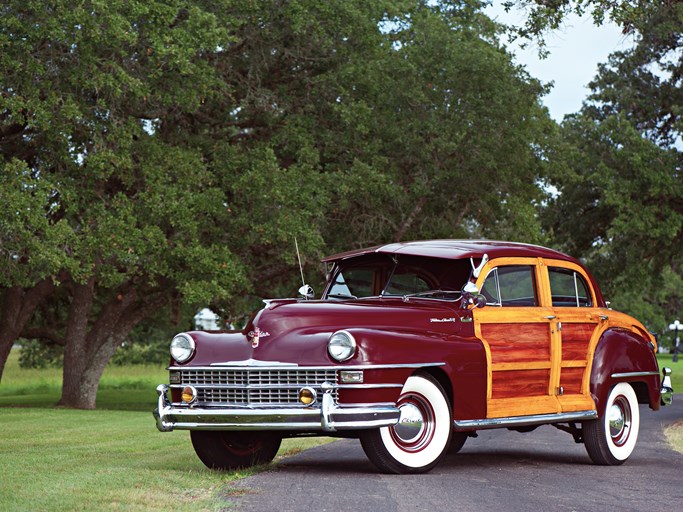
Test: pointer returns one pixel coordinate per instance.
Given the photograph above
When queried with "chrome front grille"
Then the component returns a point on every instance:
(255, 387)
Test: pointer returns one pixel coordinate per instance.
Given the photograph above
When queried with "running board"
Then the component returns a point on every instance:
(523, 421)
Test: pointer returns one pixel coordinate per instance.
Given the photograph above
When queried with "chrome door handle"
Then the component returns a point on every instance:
(550, 317)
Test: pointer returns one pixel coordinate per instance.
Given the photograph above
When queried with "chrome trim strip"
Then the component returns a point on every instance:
(273, 365)
(327, 417)
(245, 386)
(522, 421)
(632, 374)
(255, 363)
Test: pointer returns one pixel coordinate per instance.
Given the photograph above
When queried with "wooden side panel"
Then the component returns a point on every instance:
(571, 379)
(515, 343)
(506, 407)
(573, 403)
(520, 383)
(575, 341)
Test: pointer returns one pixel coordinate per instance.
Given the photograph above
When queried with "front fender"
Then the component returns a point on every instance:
(459, 362)
(622, 355)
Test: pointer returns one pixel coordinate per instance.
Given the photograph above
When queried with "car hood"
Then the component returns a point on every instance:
(291, 331)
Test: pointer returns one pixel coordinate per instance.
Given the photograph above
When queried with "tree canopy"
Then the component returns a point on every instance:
(165, 153)
(620, 201)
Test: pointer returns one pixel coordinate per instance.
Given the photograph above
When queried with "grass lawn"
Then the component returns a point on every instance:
(112, 458)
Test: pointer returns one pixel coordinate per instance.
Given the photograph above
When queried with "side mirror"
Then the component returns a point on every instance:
(479, 300)
(473, 300)
(306, 292)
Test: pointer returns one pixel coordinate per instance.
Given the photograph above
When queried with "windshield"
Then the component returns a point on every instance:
(383, 275)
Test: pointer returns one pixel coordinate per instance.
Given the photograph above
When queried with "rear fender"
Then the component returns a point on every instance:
(622, 355)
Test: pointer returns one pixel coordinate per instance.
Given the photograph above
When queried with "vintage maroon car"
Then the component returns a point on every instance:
(412, 349)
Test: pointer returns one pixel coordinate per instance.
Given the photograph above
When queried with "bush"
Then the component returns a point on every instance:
(37, 354)
(136, 353)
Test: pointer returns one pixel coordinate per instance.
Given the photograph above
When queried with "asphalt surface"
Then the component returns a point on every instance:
(498, 471)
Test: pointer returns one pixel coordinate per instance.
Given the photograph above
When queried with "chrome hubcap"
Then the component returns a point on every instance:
(619, 420)
(410, 424)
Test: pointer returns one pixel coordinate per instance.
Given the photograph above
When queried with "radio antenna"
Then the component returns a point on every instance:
(301, 268)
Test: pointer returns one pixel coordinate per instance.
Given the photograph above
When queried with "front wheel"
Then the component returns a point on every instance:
(421, 436)
(232, 450)
(610, 440)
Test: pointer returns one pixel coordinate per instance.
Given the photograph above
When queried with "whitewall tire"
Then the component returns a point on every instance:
(610, 440)
(422, 435)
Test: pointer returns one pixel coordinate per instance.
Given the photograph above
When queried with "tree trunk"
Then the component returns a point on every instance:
(78, 388)
(92, 341)
(17, 306)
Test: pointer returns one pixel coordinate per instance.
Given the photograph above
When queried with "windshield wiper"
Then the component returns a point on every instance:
(433, 292)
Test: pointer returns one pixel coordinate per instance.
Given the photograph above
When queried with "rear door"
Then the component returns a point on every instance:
(578, 323)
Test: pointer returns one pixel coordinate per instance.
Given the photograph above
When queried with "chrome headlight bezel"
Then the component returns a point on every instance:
(182, 348)
(341, 346)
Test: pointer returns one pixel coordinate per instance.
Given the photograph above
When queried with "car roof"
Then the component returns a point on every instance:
(456, 249)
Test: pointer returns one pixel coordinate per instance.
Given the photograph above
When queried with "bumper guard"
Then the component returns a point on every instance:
(667, 392)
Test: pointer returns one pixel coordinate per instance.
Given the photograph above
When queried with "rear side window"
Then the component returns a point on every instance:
(568, 288)
(512, 285)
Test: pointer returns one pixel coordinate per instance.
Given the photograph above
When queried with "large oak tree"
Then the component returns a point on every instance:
(157, 152)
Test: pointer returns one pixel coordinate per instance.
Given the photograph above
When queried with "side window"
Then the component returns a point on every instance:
(513, 285)
(568, 288)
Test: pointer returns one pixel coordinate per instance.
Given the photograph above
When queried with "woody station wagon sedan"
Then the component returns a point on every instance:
(413, 348)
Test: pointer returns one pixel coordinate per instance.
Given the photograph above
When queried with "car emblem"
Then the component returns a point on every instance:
(256, 336)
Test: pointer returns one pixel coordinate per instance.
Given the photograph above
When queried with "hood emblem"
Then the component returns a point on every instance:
(256, 335)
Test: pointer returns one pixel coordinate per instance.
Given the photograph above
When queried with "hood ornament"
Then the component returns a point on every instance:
(256, 335)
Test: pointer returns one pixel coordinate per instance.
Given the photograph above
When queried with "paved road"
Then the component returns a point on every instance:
(498, 471)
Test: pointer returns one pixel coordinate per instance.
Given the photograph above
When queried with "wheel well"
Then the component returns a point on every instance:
(642, 392)
(442, 379)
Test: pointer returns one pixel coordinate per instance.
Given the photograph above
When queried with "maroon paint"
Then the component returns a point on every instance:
(622, 351)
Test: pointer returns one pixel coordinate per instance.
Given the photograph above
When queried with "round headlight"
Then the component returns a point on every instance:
(182, 348)
(341, 346)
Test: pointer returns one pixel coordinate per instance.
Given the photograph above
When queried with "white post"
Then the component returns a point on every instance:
(676, 327)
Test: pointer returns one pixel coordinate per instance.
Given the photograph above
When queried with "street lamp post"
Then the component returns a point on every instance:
(676, 327)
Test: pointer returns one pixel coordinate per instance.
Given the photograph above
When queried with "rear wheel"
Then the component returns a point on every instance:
(232, 450)
(610, 440)
(421, 436)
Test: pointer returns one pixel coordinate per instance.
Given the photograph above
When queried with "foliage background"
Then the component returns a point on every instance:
(160, 156)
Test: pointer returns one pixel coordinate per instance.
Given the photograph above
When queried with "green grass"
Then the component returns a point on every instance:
(113, 458)
(121, 387)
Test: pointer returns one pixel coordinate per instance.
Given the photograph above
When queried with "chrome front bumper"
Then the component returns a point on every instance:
(323, 417)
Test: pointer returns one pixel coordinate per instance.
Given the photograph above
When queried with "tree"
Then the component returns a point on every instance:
(173, 151)
(102, 214)
(455, 126)
(624, 193)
